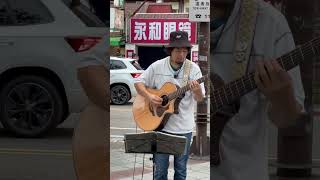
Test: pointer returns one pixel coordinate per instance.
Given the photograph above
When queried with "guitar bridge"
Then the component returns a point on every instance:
(158, 111)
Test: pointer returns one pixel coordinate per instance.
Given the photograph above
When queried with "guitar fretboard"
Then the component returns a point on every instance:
(184, 89)
(237, 88)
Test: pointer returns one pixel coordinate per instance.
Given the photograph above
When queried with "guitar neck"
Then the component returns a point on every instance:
(184, 89)
(238, 88)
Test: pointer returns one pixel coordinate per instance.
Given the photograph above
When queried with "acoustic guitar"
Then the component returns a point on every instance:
(151, 118)
(90, 146)
(225, 95)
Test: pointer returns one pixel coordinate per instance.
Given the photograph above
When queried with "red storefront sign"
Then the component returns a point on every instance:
(157, 31)
(195, 56)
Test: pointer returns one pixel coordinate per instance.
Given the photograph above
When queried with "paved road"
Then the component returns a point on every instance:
(48, 158)
(122, 122)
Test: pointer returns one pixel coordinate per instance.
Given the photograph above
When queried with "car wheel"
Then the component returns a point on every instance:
(30, 106)
(120, 94)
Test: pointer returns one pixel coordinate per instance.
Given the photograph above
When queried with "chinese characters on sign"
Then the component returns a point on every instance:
(199, 10)
(158, 30)
(195, 56)
(119, 19)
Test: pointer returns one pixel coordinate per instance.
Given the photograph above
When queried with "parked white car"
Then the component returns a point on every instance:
(123, 71)
(41, 44)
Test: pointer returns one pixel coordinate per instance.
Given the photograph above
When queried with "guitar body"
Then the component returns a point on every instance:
(90, 146)
(149, 118)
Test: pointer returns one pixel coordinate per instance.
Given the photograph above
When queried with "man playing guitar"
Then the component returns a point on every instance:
(280, 95)
(171, 69)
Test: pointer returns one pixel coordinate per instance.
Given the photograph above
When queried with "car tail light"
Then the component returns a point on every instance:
(80, 44)
(135, 75)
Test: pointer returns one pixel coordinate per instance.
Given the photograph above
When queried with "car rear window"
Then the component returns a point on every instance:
(136, 65)
(22, 12)
(86, 14)
(115, 64)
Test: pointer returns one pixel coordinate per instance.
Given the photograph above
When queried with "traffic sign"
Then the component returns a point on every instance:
(199, 10)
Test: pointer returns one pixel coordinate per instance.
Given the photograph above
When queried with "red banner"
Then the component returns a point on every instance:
(157, 31)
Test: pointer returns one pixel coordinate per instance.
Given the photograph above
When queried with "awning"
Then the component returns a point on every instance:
(116, 41)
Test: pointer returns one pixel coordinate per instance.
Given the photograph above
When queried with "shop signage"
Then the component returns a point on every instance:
(157, 31)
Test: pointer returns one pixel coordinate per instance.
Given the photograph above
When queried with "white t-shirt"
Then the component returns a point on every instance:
(161, 72)
(244, 140)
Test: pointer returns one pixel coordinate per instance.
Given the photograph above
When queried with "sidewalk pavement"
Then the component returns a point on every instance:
(128, 166)
(125, 166)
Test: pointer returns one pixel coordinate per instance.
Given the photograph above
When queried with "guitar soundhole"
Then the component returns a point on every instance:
(165, 100)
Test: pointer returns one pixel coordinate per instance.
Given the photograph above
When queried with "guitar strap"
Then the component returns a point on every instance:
(186, 72)
(242, 50)
(244, 37)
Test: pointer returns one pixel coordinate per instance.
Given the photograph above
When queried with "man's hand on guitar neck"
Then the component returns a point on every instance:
(275, 83)
(196, 89)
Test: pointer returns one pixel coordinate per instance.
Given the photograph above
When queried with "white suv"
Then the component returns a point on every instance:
(123, 71)
(41, 44)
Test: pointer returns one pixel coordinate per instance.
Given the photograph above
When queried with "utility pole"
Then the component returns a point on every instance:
(201, 142)
(295, 143)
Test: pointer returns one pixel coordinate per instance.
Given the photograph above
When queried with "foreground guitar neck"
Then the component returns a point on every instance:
(237, 88)
(234, 90)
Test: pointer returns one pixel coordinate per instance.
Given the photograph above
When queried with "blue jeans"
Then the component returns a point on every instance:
(180, 163)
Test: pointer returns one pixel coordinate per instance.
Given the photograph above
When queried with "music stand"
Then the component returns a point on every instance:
(155, 143)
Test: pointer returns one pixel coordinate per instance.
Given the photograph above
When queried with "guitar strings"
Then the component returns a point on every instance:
(307, 48)
(182, 90)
